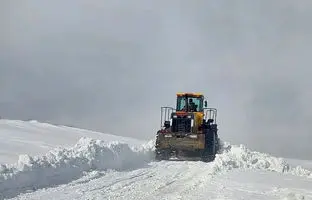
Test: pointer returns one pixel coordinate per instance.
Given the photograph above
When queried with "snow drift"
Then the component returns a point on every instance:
(35, 138)
(240, 157)
(63, 165)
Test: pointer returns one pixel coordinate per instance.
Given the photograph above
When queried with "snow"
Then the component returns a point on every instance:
(233, 156)
(63, 165)
(90, 165)
(179, 180)
(35, 138)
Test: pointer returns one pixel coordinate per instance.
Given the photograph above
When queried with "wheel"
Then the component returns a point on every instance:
(211, 145)
(208, 158)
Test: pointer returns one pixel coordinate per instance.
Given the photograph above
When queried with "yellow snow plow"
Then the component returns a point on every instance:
(189, 130)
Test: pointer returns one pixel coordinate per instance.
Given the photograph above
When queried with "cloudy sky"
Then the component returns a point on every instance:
(109, 66)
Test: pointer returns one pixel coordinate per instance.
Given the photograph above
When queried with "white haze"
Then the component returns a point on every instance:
(110, 65)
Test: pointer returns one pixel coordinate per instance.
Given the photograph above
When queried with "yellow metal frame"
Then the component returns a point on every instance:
(193, 94)
(198, 115)
(182, 143)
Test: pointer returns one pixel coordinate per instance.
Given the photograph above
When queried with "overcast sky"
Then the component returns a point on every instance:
(110, 65)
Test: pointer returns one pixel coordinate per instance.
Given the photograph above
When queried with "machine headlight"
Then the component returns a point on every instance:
(168, 135)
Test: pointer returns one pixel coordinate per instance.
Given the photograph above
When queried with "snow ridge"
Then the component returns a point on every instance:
(240, 157)
(63, 165)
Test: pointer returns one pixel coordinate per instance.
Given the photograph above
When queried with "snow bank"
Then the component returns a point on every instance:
(240, 157)
(293, 196)
(63, 165)
(34, 138)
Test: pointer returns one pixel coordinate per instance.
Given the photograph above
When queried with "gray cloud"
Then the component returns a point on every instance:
(109, 66)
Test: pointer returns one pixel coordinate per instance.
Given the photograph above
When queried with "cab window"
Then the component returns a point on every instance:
(186, 104)
(181, 104)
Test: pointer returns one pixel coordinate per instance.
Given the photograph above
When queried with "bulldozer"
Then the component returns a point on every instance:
(188, 131)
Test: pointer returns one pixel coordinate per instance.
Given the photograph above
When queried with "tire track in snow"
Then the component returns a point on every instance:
(154, 182)
(124, 181)
(176, 179)
(199, 174)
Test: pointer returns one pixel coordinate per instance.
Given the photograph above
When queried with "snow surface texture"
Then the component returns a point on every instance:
(93, 156)
(35, 138)
(293, 196)
(232, 156)
(62, 165)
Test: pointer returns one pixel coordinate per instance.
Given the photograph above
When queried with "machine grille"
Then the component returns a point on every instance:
(181, 125)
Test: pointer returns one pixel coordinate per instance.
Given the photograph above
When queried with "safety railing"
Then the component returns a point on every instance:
(165, 115)
(210, 113)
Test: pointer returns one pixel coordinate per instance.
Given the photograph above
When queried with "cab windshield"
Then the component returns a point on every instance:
(190, 104)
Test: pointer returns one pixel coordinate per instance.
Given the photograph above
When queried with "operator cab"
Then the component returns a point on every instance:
(190, 113)
(190, 102)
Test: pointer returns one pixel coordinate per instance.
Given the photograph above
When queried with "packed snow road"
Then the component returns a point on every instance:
(156, 181)
(112, 167)
(179, 180)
